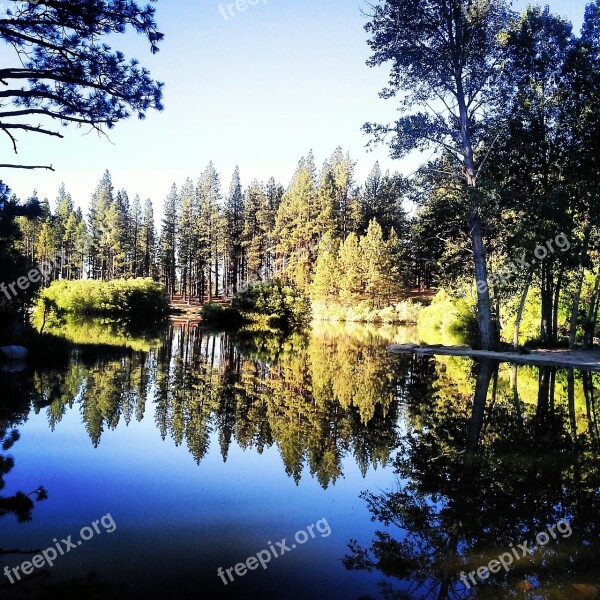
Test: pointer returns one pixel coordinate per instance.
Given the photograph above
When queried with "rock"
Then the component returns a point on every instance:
(14, 352)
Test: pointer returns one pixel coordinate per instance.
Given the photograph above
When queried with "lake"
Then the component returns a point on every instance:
(326, 465)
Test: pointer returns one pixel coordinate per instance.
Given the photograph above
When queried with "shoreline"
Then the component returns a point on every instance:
(584, 360)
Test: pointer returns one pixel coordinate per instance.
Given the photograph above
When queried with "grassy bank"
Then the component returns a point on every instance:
(405, 312)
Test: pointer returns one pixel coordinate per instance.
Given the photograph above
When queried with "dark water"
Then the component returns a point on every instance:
(390, 475)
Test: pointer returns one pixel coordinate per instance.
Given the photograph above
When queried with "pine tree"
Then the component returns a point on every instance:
(351, 270)
(381, 199)
(254, 235)
(99, 244)
(46, 247)
(135, 234)
(375, 258)
(345, 201)
(148, 239)
(296, 227)
(63, 211)
(396, 267)
(326, 283)
(185, 236)
(234, 227)
(274, 193)
(168, 242)
(210, 228)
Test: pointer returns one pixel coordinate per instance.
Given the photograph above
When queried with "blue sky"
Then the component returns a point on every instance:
(257, 90)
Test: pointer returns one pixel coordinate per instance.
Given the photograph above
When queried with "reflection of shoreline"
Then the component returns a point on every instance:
(106, 332)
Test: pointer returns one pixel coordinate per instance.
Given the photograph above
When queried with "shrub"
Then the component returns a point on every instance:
(448, 314)
(362, 312)
(281, 303)
(408, 311)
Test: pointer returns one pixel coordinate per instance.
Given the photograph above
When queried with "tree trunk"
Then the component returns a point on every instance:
(521, 310)
(484, 314)
(557, 291)
(577, 297)
(575, 309)
(590, 323)
(547, 304)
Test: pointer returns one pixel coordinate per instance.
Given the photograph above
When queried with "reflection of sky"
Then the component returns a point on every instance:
(178, 522)
(258, 90)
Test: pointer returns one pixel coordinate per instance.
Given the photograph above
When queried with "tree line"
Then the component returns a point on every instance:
(326, 234)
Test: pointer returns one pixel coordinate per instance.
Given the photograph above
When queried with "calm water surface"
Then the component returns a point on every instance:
(206, 449)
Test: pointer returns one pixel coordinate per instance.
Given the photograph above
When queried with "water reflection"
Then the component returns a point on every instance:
(318, 398)
(489, 461)
(484, 456)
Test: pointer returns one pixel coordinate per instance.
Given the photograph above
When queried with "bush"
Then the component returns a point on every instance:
(405, 312)
(448, 314)
(139, 297)
(280, 303)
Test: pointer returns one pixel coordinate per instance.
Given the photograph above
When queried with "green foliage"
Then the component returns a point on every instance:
(133, 297)
(282, 303)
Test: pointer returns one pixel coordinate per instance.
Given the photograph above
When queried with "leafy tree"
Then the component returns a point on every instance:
(445, 57)
(13, 264)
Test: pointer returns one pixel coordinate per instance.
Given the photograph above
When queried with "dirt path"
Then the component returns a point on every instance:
(585, 360)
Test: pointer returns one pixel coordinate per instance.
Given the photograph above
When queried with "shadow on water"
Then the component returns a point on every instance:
(480, 472)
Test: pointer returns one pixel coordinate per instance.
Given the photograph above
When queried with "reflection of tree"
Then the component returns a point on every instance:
(20, 504)
(316, 398)
(473, 481)
(20, 393)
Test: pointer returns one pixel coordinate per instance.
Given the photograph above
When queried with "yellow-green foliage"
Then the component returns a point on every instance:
(530, 322)
(135, 297)
(363, 312)
(447, 314)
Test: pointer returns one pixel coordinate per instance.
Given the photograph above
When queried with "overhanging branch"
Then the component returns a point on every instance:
(5, 166)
